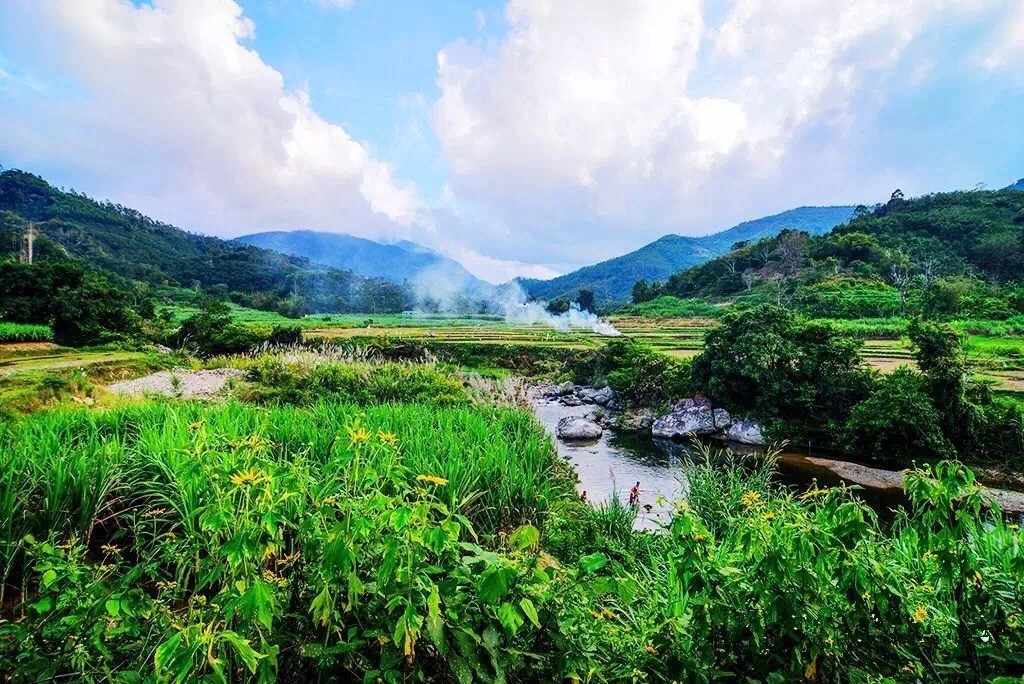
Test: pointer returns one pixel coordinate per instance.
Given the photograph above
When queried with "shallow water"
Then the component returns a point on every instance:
(611, 465)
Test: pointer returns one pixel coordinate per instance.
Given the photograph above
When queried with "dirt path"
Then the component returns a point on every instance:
(183, 384)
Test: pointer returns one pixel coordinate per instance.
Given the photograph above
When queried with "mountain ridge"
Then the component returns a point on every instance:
(612, 280)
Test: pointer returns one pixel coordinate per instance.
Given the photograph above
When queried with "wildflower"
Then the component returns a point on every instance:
(811, 493)
(1014, 621)
(650, 649)
(154, 512)
(768, 516)
(750, 500)
(166, 585)
(928, 556)
(252, 476)
(920, 614)
(110, 548)
(432, 479)
(389, 438)
(596, 614)
(358, 435)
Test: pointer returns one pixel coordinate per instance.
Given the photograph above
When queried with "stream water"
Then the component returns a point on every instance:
(611, 465)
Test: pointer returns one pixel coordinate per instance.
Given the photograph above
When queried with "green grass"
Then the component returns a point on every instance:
(24, 332)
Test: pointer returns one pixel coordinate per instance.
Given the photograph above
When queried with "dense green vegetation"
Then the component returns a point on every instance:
(955, 255)
(412, 542)
(612, 280)
(806, 381)
(25, 332)
(119, 241)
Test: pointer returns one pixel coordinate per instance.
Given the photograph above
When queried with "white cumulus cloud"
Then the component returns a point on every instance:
(594, 119)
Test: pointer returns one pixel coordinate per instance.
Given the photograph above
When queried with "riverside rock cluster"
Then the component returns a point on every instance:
(696, 416)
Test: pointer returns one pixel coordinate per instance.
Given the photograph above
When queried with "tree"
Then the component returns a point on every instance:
(801, 378)
(748, 277)
(585, 298)
(899, 420)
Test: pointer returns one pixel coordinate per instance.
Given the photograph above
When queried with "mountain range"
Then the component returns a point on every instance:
(430, 274)
(612, 281)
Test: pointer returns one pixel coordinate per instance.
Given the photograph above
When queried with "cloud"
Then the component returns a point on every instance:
(1006, 50)
(181, 117)
(591, 122)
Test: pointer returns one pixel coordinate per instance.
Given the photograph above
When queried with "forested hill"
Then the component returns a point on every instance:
(398, 262)
(612, 280)
(124, 242)
(963, 241)
(1019, 186)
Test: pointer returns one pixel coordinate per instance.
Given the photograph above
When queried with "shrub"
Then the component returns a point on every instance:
(801, 378)
(898, 421)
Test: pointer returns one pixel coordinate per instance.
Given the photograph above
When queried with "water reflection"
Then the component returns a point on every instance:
(611, 465)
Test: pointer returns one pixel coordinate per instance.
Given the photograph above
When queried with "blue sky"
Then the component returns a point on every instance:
(526, 137)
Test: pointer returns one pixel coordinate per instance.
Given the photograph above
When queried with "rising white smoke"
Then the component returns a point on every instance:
(521, 312)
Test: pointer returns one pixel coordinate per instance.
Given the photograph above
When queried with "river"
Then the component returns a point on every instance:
(612, 464)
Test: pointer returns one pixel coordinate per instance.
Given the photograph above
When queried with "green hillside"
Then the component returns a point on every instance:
(125, 243)
(612, 280)
(955, 253)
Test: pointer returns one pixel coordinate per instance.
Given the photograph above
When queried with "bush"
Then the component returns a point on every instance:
(898, 421)
(306, 379)
(800, 378)
(641, 375)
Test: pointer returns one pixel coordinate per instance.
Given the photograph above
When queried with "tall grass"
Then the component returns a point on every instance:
(24, 332)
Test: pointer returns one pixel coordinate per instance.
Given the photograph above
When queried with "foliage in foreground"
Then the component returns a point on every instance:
(239, 543)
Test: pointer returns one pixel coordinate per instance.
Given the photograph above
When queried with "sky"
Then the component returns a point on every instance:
(523, 138)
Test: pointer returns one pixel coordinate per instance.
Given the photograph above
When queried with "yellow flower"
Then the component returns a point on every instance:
(110, 548)
(768, 516)
(650, 649)
(920, 614)
(358, 434)
(751, 499)
(389, 438)
(245, 478)
(432, 479)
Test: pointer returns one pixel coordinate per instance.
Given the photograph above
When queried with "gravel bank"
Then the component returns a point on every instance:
(200, 384)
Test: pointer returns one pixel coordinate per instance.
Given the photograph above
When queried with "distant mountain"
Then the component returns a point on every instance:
(431, 275)
(612, 280)
(1019, 185)
(125, 243)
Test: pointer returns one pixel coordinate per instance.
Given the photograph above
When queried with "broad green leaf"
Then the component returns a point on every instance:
(530, 611)
(510, 618)
(524, 537)
(593, 562)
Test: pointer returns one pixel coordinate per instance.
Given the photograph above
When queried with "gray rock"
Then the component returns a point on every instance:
(745, 432)
(604, 395)
(564, 389)
(722, 419)
(696, 420)
(572, 428)
(571, 400)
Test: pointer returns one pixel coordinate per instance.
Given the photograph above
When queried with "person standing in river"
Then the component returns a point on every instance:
(634, 495)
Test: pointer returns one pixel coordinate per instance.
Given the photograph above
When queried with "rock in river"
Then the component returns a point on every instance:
(693, 418)
(745, 432)
(604, 396)
(576, 428)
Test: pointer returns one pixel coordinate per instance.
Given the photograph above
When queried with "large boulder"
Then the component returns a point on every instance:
(564, 389)
(745, 432)
(577, 428)
(604, 396)
(694, 420)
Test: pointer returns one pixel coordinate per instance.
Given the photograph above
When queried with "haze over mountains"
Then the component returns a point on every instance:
(612, 280)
